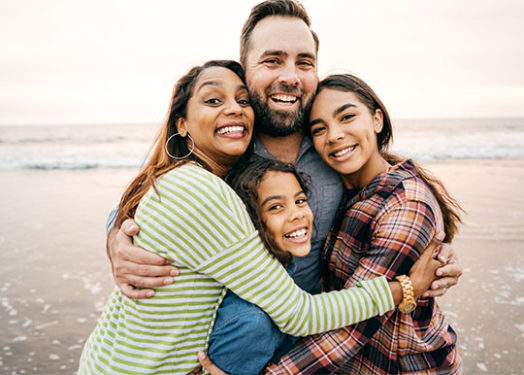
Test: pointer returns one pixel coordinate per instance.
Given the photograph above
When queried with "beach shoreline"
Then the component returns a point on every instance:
(55, 277)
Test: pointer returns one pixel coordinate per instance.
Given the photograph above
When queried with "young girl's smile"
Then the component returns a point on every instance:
(285, 212)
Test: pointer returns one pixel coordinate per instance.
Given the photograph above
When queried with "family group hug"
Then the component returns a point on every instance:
(271, 231)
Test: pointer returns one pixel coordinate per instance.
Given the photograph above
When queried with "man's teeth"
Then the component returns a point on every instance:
(344, 151)
(284, 98)
(230, 129)
(296, 234)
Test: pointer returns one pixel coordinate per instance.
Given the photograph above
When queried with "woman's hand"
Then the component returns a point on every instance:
(135, 267)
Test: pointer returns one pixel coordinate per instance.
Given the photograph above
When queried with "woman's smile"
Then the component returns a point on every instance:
(232, 130)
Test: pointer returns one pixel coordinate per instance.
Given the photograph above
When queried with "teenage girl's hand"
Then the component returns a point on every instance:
(135, 267)
(448, 275)
(422, 273)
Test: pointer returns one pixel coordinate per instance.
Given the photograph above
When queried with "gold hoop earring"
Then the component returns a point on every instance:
(180, 157)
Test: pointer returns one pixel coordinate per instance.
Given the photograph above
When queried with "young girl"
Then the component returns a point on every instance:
(391, 211)
(187, 213)
(244, 339)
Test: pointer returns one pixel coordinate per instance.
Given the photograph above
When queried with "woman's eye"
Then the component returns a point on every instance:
(347, 117)
(212, 101)
(243, 102)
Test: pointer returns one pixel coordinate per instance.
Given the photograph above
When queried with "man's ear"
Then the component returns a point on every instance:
(181, 127)
(378, 121)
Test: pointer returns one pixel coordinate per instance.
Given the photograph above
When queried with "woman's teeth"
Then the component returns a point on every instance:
(296, 234)
(344, 151)
(230, 129)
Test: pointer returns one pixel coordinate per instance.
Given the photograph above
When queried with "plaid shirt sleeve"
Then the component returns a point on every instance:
(400, 234)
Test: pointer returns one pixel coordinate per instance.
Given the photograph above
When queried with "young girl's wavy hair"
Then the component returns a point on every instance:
(245, 179)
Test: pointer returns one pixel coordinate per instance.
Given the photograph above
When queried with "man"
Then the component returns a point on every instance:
(279, 53)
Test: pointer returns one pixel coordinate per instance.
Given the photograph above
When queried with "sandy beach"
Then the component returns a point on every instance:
(55, 277)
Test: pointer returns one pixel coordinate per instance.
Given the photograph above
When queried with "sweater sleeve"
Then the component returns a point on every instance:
(200, 222)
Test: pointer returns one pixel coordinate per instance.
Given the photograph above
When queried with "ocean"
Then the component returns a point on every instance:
(48, 147)
(60, 182)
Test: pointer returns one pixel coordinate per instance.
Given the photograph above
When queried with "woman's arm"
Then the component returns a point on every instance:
(208, 225)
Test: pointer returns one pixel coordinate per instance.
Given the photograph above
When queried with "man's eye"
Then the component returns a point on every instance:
(271, 61)
(212, 101)
(306, 63)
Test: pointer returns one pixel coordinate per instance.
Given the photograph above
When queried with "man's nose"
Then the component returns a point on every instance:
(289, 75)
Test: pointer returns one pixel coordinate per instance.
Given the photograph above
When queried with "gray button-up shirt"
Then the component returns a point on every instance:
(324, 196)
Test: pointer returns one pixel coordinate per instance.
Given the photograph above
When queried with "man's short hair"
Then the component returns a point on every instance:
(286, 8)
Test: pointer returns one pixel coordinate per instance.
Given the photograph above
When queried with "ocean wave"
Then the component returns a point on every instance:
(64, 140)
(124, 146)
(61, 165)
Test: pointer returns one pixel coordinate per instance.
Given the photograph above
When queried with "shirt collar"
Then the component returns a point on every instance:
(261, 150)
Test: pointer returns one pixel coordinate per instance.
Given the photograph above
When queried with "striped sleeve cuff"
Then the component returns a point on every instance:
(379, 289)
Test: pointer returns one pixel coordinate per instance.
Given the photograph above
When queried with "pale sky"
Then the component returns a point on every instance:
(115, 61)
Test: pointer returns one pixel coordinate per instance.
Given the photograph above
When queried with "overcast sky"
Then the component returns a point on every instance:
(107, 61)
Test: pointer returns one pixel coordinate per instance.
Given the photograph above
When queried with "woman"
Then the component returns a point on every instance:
(391, 211)
(188, 214)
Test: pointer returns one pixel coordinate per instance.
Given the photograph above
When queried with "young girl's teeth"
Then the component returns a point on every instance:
(296, 234)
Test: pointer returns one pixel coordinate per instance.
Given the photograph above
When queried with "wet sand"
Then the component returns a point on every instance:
(55, 278)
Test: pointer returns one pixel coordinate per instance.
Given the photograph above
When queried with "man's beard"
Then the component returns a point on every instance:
(278, 123)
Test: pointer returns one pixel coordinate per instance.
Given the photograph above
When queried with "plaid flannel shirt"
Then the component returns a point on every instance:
(381, 231)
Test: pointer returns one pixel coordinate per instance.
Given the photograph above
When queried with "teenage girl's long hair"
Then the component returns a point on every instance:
(448, 205)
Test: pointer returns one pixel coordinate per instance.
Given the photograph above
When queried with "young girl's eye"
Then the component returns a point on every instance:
(243, 102)
(212, 101)
(275, 207)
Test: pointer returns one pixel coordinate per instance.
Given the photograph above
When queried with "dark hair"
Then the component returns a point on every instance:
(286, 8)
(245, 180)
(349, 83)
(160, 162)
(181, 95)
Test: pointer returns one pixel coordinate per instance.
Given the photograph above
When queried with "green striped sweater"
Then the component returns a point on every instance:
(199, 222)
